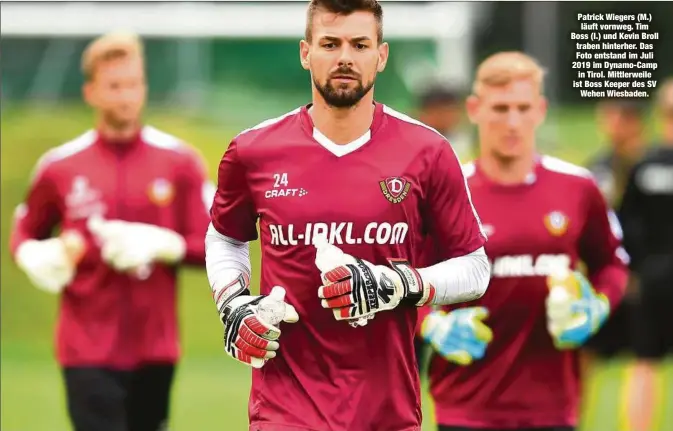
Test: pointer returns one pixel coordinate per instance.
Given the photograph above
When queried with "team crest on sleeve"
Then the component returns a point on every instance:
(556, 223)
(161, 192)
(395, 189)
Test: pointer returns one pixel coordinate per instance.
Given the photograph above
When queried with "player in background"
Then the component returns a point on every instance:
(441, 107)
(646, 212)
(623, 123)
(366, 185)
(131, 204)
(509, 360)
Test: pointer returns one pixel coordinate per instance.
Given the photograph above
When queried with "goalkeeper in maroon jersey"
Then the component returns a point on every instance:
(373, 184)
(509, 360)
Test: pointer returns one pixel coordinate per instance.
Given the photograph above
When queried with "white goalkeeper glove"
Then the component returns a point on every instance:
(356, 290)
(50, 264)
(575, 311)
(133, 247)
(251, 326)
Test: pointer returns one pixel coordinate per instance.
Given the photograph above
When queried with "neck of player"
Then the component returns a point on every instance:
(113, 133)
(343, 125)
(507, 172)
(631, 149)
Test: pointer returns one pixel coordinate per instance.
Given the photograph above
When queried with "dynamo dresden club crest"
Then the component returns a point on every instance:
(395, 189)
(556, 223)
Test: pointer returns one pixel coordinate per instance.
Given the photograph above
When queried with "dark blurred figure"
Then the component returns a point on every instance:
(646, 213)
(441, 107)
(623, 123)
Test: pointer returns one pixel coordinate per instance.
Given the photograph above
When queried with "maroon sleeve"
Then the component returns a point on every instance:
(601, 249)
(451, 218)
(40, 212)
(197, 195)
(233, 211)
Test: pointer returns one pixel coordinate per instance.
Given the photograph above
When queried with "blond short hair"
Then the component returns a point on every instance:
(502, 68)
(108, 47)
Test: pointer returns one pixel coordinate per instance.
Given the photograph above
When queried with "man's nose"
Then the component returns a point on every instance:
(346, 57)
(513, 118)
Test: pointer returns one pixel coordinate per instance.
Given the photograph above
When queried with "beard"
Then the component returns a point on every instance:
(119, 122)
(343, 96)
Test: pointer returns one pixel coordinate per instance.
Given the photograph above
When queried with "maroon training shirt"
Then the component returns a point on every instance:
(557, 217)
(376, 198)
(108, 318)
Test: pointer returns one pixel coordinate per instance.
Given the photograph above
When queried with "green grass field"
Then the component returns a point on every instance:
(211, 390)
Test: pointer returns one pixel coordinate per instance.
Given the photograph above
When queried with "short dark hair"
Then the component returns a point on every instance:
(435, 95)
(345, 7)
(629, 107)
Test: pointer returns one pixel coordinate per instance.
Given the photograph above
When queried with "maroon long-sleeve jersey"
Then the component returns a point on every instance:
(375, 198)
(557, 217)
(108, 318)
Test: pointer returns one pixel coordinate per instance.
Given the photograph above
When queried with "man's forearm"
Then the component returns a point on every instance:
(460, 279)
(227, 265)
(195, 253)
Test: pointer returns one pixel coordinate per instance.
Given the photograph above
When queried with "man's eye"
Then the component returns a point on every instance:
(360, 46)
(329, 45)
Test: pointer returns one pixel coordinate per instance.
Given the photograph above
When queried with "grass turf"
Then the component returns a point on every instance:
(211, 391)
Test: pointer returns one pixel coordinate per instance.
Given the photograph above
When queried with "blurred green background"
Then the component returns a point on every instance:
(205, 90)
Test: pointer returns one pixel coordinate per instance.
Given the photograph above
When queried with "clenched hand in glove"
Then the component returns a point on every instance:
(460, 336)
(50, 264)
(575, 311)
(251, 330)
(356, 290)
(130, 246)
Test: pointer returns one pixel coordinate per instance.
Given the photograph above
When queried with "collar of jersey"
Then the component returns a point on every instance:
(331, 146)
(341, 150)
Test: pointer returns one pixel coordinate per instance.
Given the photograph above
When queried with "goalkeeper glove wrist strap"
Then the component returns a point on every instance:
(238, 287)
(416, 292)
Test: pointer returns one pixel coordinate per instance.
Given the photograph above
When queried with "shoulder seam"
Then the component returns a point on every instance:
(563, 167)
(66, 150)
(469, 169)
(62, 152)
(160, 139)
(269, 122)
(407, 119)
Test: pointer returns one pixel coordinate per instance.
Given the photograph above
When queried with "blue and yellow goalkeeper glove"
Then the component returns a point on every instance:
(575, 311)
(459, 336)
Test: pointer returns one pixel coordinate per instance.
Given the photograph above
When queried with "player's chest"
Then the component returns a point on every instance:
(128, 188)
(348, 189)
(530, 233)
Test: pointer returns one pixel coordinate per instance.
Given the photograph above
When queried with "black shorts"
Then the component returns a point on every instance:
(450, 428)
(653, 323)
(102, 399)
(614, 337)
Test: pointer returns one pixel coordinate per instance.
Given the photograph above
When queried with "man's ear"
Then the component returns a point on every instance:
(304, 54)
(384, 52)
(472, 108)
(87, 93)
(544, 106)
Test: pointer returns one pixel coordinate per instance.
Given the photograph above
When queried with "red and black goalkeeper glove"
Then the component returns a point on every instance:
(356, 290)
(251, 330)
